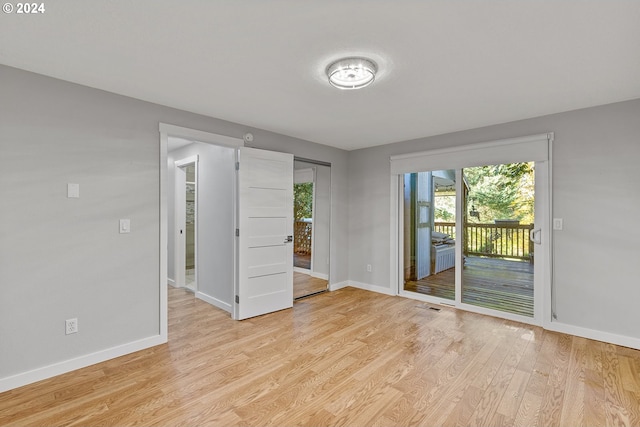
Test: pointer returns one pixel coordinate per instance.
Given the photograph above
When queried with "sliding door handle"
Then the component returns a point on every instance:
(535, 236)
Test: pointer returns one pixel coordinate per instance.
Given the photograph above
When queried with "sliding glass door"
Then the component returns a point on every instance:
(498, 251)
(429, 231)
(476, 236)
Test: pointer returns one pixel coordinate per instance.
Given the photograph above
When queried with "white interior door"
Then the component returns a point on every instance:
(265, 242)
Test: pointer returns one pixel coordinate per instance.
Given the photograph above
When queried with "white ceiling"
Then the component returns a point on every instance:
(444, 65)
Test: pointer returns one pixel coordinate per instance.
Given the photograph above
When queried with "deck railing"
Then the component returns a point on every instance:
(302, 237)
(501, 240)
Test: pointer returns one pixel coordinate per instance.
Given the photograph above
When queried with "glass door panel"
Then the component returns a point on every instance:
(429, 233)
(498, 254)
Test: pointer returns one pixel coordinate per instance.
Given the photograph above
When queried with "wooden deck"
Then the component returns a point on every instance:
(486, 282)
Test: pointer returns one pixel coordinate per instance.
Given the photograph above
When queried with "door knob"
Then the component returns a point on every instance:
(532, 236)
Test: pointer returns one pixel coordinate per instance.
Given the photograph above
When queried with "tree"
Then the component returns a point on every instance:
(303, 200)
(501, 191)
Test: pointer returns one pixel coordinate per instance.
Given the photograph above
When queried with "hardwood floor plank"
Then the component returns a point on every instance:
(573, 409)
(349, 357)
(529, 411)
(553, 398)
(621, 407)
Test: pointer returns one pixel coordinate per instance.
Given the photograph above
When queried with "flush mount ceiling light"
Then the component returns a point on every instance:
(352, 73)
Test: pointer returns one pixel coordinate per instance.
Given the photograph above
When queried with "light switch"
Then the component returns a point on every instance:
(73, 191)
(557, 223)
(125, 226)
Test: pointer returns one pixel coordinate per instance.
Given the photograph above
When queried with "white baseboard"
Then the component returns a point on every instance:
(360, 285)
(339, 285)
(319, 275)
(171, 282)
(59, 368)
(593, 334)
(311, 273)
(373, 288)
(214, 301)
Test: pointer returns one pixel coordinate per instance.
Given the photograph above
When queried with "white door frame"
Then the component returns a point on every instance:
(543, 295)
(180, 240)
(167, 130)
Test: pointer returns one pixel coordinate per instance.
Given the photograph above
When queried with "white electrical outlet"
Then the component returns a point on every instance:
(369, 268)
(557, 223)
(125, 226)
(71, 326)
(73, 190)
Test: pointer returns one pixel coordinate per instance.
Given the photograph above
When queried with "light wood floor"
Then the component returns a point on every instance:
(304, 284)
(349, 357)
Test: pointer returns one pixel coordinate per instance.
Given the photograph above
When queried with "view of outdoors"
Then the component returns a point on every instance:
(498, 206)
(302, 214)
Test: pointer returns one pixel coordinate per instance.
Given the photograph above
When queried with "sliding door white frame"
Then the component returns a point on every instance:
(536, 148)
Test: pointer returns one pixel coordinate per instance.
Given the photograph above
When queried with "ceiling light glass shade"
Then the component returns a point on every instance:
(352, 73)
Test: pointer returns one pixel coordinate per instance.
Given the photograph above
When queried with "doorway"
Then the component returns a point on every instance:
(497, 251)
(429, 233)
(186, 214)
(476, 235)
(498, 246)
(200, 203)
(312, 218)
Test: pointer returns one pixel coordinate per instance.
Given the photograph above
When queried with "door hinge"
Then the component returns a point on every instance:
(237, 166)
(237, 299)
(237, 232)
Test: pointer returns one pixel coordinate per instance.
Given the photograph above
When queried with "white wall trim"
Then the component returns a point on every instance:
(322, 276)
(339, 285)
(214, 301)
(394, 233)
(372, 288)
(187, 160)
(474, 146)
(201, 136)
(171, 282)
(164, 231)
(593, 334)
(65, 366)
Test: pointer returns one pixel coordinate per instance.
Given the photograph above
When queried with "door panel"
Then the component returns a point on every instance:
(265, 211)
(499, 263)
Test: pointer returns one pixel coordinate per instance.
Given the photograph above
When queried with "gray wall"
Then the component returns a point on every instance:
(596, 189)
(63, 258)
(216, 176)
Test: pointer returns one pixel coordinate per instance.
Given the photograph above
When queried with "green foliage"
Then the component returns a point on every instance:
(501, 192)
(303, 200)
(442, 215)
